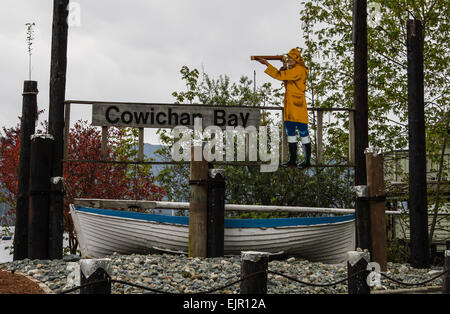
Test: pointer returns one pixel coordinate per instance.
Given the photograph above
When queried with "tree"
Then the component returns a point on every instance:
(85, 180)
(327, 33)
(9, 167)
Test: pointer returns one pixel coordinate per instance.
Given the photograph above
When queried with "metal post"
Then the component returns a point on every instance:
(377, 196)
(361, 117)
(27, 128)
(216, 213)
(38, 215)
(95, 270)
(251, 263)
(418, 210)
(357, 262)
(56, 121)
(197, 246)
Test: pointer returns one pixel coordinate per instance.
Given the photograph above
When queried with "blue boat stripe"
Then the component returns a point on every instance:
(229, 223)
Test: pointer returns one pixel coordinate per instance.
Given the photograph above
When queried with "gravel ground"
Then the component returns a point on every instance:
(181, 274)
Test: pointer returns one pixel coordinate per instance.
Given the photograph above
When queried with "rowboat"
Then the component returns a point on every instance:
(101, 232)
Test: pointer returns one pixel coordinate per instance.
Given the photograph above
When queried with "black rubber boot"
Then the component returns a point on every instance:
(292, 156)
(307, 152)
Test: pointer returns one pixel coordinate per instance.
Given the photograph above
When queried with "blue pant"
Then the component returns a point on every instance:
(302, 128)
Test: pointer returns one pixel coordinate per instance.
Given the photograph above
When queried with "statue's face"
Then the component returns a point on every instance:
(291, 62)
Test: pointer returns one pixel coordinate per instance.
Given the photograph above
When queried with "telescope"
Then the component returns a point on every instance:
(280, 57)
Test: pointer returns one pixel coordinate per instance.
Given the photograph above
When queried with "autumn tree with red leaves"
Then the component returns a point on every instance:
(9, 166)
(85, 180)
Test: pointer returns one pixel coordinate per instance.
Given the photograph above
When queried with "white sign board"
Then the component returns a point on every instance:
(170, 115)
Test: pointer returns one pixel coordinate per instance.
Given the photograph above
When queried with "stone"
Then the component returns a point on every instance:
(280, 278)
(213, 276)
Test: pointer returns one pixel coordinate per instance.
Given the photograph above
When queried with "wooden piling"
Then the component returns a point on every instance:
(417, 206)
(27, 128)
(216, 213)
(360, 103)
(95, 270)
(58, 70)
(251, 263)
(38, 215)
(377, 195)
(357, 262)
(197, 245)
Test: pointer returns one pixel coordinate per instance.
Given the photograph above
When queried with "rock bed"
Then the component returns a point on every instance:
(181, 274)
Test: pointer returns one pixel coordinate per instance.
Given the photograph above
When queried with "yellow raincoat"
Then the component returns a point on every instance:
(295, 83)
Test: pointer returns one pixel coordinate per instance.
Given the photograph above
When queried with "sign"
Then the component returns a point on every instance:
(170, 115)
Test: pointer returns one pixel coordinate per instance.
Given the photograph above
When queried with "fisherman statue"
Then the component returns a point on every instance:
(293, 73)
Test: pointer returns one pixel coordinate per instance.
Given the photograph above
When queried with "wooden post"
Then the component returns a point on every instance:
(360, 103)
(56, 121)
(216, 213)
(319, 156)
(197, 246)
(66, 130)
(254, 262)
(104, 142)
(38, 215)
(446, 279)
(377, 194)
(92, 270)
(27, 128)
(418, 210)
(357, 262)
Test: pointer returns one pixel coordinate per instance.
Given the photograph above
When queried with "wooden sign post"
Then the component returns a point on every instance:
(377, 195)
(198, 220)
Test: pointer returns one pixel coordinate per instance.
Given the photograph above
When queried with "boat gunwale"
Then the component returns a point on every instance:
(238, 223)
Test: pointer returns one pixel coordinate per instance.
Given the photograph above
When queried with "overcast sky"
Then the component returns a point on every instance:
(133, 50)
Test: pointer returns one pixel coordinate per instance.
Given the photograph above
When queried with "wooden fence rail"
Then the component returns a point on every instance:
(117, 204)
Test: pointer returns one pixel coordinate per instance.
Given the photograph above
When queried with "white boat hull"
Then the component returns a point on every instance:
(100, 235)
